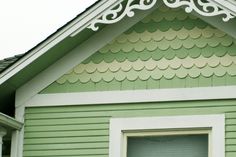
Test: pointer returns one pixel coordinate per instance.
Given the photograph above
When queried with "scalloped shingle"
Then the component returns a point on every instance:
(165, 50)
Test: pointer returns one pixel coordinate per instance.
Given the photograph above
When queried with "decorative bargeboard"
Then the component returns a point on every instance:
(202, 7)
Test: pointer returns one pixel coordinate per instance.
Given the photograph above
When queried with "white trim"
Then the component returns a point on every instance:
(120, 11)
(76, 56)
(18, 135)
(167, 132)
(9, 122)
(134, 96)
(207, 8)
(216, 123)
(204, 8)
(205, 131)
(229, 5)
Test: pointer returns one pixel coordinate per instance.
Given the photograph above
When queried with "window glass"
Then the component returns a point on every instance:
(168, 146)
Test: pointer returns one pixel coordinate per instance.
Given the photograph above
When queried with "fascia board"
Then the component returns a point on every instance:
(78, 24)
(10, 122)
(227, 5)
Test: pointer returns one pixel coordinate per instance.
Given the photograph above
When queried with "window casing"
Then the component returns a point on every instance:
(212, 125)
(166, 142)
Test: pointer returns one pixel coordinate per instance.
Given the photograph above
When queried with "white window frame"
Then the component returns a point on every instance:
(155, 133)
(214, 124)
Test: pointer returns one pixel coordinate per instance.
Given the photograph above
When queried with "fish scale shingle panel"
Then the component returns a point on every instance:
(167, 49)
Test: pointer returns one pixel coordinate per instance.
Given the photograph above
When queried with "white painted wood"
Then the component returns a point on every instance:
(134, 96)
(14, 143)
(204, 8)
(229, 5)
(18, 135)
(9, 122)
(76, 56)
(120, 11)
(215, 123)
(109, 4)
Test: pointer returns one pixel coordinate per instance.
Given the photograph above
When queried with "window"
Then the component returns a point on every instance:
(148, 136)
(167, 144)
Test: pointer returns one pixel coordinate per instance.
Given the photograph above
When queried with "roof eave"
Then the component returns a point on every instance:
(9, 122)
(229, 5)
(77, 26)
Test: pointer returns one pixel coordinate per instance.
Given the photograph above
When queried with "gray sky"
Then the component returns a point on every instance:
(25, 23)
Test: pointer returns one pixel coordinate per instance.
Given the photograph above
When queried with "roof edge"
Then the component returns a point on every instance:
(102, 9)
(230, 5)
(79, 22)
(10, 122)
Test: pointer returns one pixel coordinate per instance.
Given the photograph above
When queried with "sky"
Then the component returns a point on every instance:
(25, 23)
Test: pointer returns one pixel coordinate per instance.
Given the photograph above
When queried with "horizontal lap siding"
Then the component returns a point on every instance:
(84, 130)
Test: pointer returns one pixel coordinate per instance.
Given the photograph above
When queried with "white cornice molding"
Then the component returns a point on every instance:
(132, 96)
(205, 8)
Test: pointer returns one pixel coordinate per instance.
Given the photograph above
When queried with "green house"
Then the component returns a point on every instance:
(126, 78)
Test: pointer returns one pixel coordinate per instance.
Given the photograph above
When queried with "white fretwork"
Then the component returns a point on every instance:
(119, 12)
(203, 7)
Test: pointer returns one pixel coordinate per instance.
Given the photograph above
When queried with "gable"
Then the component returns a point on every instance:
(167, 49)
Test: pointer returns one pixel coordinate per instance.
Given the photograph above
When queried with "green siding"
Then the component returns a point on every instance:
(84, 130)
(167, 49)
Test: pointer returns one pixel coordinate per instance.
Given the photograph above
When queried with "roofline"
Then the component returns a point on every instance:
(73, 28)
(10, 122)
(76, 25)
(229, 5)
